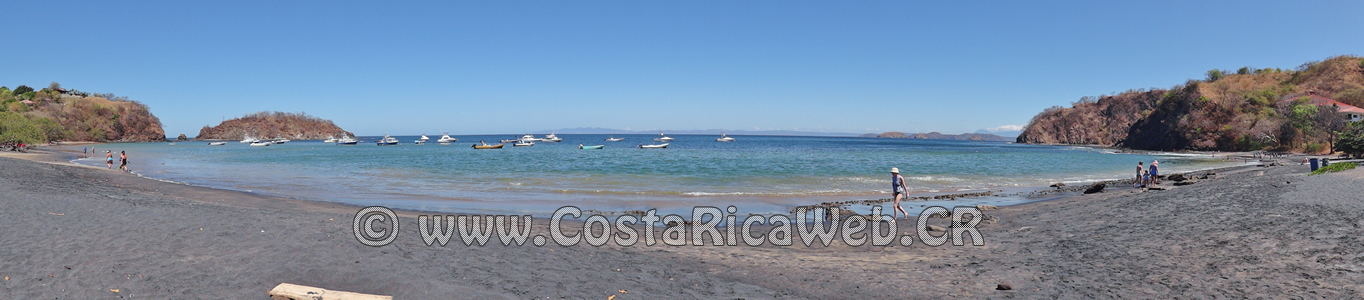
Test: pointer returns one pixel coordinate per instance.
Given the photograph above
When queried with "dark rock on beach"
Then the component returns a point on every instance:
(1096, 188)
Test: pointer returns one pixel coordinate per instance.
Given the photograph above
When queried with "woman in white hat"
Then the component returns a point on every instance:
(897, 187)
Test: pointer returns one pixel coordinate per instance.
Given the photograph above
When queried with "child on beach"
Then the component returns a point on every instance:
(1146, 181)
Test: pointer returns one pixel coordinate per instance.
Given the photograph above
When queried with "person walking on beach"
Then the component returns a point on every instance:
(1155, 172)
(109, 159)
(897, 187)
(123, 157)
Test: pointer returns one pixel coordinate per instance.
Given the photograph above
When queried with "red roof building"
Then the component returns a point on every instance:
(1351, 112)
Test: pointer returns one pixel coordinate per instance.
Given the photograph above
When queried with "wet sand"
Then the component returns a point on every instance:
(82, 233)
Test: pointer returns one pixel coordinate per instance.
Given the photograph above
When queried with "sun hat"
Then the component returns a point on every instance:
(895, 170)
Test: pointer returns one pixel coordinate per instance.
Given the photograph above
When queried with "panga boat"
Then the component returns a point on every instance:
(486, 146)
(614, 139)
(724, 138)
(347, 140)
(580, 146)
(663, 138)
(217, 143)
(386, 141)
(524, 143)
(659, 146)
(551, 138)
(445, 138)
(261, 144)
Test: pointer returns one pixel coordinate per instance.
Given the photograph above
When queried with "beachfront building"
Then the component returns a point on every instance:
(1350, 113)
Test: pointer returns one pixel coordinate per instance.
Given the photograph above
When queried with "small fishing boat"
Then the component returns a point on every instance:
(280, 140)
(446, 139)
(523, 143)
(486, 146)
(422, 140)
(614, 139)
(724, 138)
(261, 144)
(551, 138)
(580, 146)
(663, 138)
(330, 139)
(509, 141)
(659, 146)
(217, 143)
(386, 141)
(347, 140)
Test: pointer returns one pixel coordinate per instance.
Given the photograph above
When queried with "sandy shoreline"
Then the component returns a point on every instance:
(88, 231)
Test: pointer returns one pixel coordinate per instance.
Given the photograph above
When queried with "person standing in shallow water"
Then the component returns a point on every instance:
(123, 158)
(109, 159)
(1138, 183)
(897, 187)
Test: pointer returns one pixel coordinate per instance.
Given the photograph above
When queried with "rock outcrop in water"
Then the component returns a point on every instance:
(297, 126)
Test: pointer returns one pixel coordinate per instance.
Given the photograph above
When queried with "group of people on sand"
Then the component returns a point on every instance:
(1150, 176)
(109, 158)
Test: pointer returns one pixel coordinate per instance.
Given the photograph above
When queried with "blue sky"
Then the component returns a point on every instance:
(512, 67)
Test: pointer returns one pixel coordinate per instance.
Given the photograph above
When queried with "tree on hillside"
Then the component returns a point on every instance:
(1215, 74)
(15, 129)
(1351, 140)
(54, 86)
(22, 89)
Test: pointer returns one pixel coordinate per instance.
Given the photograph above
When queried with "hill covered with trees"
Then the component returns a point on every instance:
(1249, 109)
(298, 126)
(58, 114)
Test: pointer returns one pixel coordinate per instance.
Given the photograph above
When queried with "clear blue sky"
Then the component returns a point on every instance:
(500, 67)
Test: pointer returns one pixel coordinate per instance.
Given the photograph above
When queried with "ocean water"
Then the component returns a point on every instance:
(757, 173)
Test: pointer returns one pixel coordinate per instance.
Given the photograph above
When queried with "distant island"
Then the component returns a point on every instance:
(60, 114)
(298, 126)
(941, 136)
(1302, 110)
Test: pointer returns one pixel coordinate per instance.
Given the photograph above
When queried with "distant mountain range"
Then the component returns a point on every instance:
(597, 130)
(940, 136)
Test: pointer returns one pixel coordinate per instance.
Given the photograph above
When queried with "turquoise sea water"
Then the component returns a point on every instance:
(765, 173)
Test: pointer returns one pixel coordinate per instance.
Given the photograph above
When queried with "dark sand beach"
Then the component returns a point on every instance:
(75, 232)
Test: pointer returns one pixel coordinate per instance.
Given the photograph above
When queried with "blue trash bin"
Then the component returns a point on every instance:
(1313, 161)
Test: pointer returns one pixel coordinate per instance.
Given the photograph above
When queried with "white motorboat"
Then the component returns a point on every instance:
(663, 138)
(217, 143)
(614, 139)
(509, 141)
(724, 138)
(261, 144)
(659, 146)
(386, 141)
(280, 140)
(330, 139)
(529, 138)
(524, 143)
(347, 140)
(551, 138)
(422, 140)
(445, 139)
(248, 139)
